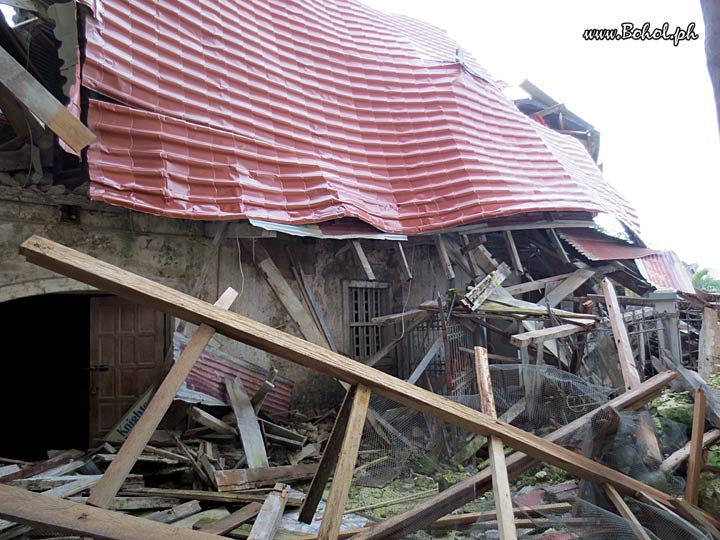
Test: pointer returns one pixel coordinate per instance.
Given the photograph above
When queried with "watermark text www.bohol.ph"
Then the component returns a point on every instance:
(645, 32)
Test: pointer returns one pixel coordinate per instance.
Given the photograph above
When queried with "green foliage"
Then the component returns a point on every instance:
(703, 280)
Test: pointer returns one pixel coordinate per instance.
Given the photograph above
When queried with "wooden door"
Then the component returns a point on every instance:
(127, 348)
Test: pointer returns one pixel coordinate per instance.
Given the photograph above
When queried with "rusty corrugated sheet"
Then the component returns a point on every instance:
(306, 111)
(213, 367)
(597, 246)
(665, 270)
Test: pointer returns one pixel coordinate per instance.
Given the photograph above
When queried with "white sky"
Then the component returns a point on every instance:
(652, 102)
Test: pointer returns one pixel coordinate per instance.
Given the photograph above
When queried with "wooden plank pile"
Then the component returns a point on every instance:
(233, 487)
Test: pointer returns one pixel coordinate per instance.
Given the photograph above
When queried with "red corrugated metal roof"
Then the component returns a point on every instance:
(306, 111)
(598, 246)
(666, 270)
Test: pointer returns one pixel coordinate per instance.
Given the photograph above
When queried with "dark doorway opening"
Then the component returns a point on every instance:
(44, 396)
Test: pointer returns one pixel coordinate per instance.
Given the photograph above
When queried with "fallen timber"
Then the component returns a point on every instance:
(105, 276)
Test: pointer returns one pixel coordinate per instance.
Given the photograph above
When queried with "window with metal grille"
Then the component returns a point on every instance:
(365, 300)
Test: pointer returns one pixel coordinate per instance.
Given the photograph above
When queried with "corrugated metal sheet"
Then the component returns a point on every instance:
(665, 270)
(208, 375)
(305, 111)
(598, 246)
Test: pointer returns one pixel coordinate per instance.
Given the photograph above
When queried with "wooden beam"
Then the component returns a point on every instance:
(42, 466)
(623, 509)
(538, 337)
(268, 519)
(387, 349)
(674, 460)
(237, 518)
(247, 424)
(42, 103)
(332, 516)
(558, 244)
(209, 421)
(625, 354)
(239, 479)
(142, 432)
(360, 254)
(67, 516)
(423, 364)
(285, 294)
(536, 285)
(329, 459)
(312, 304)
(566, 287)
(514, 255)
(444, 257)
(108, 277)
(397, 318)
(498, 470)
(210, 496)
(695, 461)
(403, 260)
(466, 491)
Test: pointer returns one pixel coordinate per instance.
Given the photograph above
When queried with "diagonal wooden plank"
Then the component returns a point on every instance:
(108, 277)
(237, 518)
(566, 287)
(42, 103)
(140, 435)
(247, 423)
(695, 461)
(268, 519)
(622, 508)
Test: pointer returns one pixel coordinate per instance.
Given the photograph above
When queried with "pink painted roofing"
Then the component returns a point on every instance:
(306, 111)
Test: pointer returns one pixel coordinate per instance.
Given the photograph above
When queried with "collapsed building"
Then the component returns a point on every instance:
(363, 185)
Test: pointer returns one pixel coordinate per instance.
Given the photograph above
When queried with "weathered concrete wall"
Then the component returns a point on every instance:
(173, 252)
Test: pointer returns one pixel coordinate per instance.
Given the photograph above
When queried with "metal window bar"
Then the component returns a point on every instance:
(365, 338)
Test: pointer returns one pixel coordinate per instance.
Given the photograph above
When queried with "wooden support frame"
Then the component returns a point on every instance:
(695, 461)
(498, 470)
(674, 460)
(141, 433)
(335, 506)
(108, 277)
(33, 95)
(403, 260)
(566, 287)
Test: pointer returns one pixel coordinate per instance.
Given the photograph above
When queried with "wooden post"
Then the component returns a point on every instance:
(140, 435)
(695, 462)
(501, 483)
(622, 508)
(329, 459)
(332, 517)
